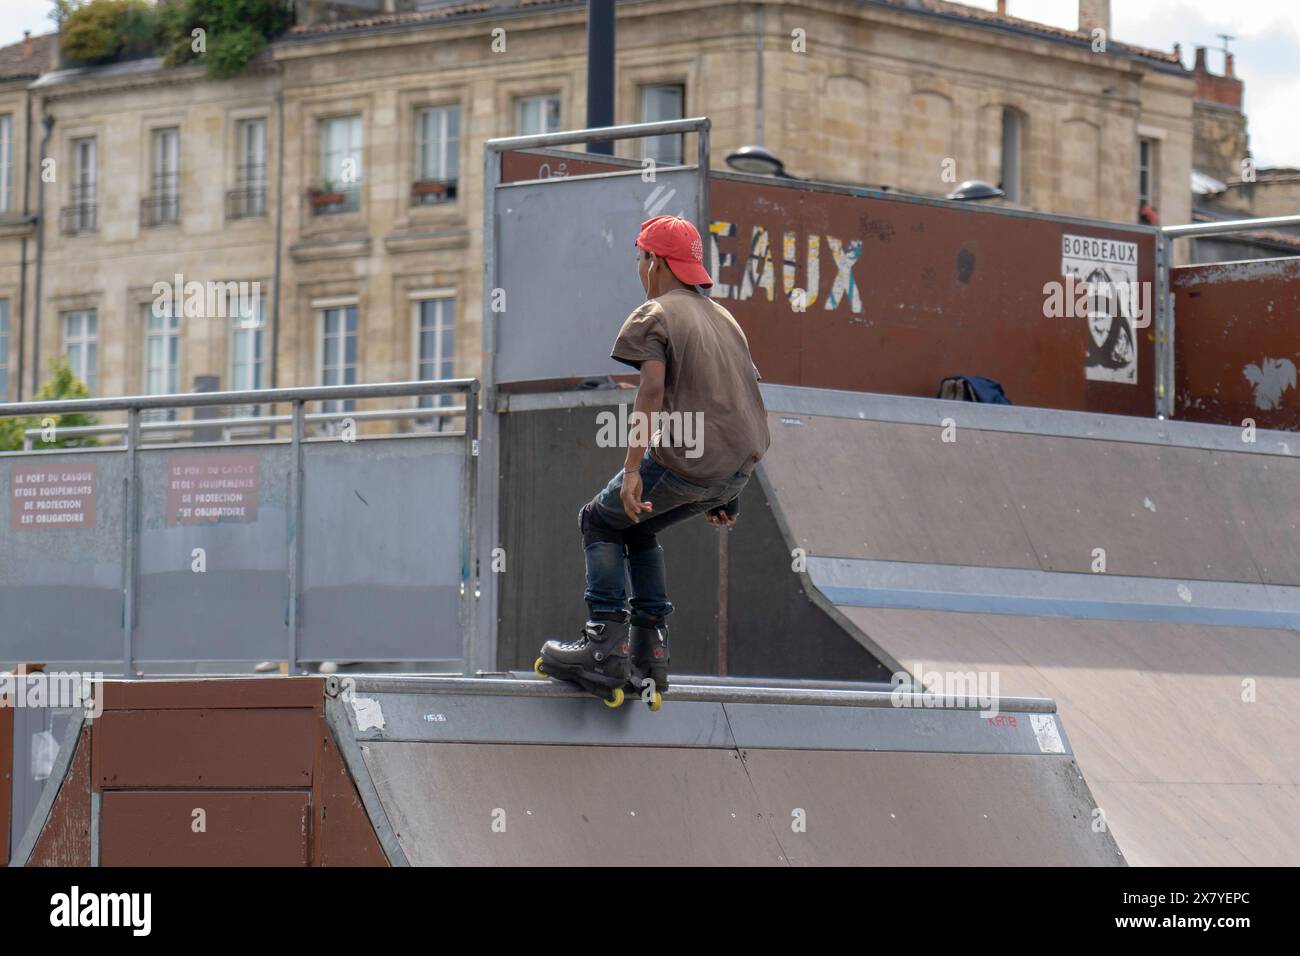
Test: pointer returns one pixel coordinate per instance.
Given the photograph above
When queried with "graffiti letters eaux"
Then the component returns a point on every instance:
(758, 274)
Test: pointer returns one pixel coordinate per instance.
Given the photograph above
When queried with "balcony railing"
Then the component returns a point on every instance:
(82, 214)
(335, 199)
(78, 218)
(246, 202)
(162, 207)
(248, 199)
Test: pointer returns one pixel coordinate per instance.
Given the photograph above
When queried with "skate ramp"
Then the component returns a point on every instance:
(524, 772)
(1177, 669)
(368, 771)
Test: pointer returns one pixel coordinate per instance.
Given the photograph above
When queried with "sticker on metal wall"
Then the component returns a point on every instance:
(1047, 734)
(368, 713)
(1104, 281)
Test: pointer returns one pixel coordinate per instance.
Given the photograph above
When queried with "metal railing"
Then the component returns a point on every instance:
(243, 426)
(82, 214)
(297, 420)
(246, 202)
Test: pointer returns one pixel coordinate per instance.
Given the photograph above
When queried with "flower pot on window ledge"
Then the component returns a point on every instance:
(325, 197)
(433, 190)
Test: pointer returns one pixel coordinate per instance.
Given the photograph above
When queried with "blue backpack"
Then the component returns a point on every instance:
(972, 388)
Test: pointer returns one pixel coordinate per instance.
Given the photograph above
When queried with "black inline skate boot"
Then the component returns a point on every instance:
(597, 661)
(649, 638)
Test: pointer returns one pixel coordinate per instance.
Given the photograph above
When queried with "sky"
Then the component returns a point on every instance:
(1267, 49)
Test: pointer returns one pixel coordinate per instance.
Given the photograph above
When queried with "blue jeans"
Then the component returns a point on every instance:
(620, 551)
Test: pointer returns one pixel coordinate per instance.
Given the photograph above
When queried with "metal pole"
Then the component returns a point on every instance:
(488, 427)
(295, 534)
(470, 590)
(600, 70)
(1229, 225)
(1160, 388)
(702, 161)
(130, 544)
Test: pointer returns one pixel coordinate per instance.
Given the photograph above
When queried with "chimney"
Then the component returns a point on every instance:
(1224, 90)
(1094, 15)
(27, 44)
(1002, 8)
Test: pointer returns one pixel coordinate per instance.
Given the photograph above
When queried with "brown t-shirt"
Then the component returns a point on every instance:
(714, 422)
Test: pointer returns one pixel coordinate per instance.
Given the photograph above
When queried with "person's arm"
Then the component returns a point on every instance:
(649, 402)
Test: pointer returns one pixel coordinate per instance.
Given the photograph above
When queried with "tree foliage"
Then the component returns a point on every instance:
(62, 383)
(105, 31)
(233, 31)
(224, 35)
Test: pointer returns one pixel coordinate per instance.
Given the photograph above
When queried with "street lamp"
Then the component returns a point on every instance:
(757, 160)
(973, 190)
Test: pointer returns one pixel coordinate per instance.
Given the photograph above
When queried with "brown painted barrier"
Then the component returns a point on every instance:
(217, 772)
(853, 289)
(1237, 342)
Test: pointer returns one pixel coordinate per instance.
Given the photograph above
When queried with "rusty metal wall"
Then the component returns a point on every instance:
(1237, 342)
(899, 292)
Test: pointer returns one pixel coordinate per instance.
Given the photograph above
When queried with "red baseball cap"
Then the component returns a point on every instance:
(678, 241)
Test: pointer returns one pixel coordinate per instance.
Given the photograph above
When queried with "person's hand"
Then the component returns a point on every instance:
(719, 518)
(630, 495)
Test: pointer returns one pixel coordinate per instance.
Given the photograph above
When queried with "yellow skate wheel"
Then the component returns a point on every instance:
(657, 702)
(615, 699)
(537, 668)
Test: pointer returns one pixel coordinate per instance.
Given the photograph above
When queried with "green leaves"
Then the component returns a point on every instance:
(234, 31)
(62, 383)
(225, 35)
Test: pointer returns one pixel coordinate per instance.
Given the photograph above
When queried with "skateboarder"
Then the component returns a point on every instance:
(697, 430)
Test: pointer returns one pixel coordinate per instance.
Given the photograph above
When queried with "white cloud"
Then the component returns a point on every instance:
(20, 15)
(1266, 48)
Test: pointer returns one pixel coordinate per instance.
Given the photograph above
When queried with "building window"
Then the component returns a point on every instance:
(80, 345)
(435, 331)
(338, 352)
(658, 103)
(6, 163)
(437, 160)
(248, 199)
(81, 214)
(537, 114)
(4, 350)
(1148, 175)
(163, 204)
(162, 357)
(1012, 139)
(248, 354)
(340, 166)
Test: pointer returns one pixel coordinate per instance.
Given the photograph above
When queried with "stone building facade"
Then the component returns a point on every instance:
(342, 172)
